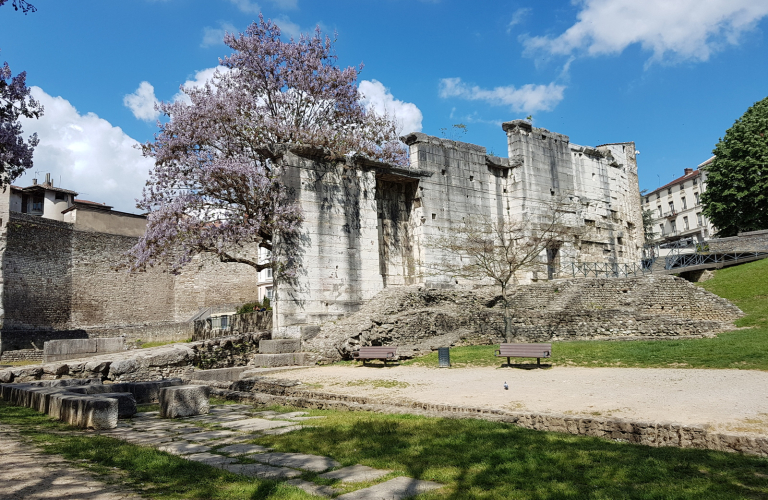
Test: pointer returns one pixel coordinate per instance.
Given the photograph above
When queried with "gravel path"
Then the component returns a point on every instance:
(27, 474)
(726, 400)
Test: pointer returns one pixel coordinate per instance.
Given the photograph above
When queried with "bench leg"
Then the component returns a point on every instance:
(509, 363)
(538, 361)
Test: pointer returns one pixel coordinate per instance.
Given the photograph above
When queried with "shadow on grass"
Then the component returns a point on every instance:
(526, 366)
(479, 459)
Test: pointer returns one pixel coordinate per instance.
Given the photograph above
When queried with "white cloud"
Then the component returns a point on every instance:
(215, 36)
(379, 99)
(679, 29)
(88, 154)
(142, 102)
(247, 6)
(199, 80)
(518, 17)
(528, 98)
(288, 27)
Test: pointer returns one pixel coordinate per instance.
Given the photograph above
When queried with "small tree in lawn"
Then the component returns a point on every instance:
(216, 186)
(496, 250)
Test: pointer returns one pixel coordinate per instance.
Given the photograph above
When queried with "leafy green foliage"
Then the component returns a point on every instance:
(255, 306)
(736, 198)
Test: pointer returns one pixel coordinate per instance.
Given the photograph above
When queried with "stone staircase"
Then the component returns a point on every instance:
(282, 352)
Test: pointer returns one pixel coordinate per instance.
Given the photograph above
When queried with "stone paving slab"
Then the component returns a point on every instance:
(292, 414)
(394, 489)
(211, 459)
(262, 471)
(183, 448)
(282, 430)
(356, 474)
(314, 463)
(254, 424)
(312, 488)
(243, 449)
(206, 436)
(215, 418)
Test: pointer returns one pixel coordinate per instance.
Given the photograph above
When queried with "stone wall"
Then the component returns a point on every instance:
(22, 355)
(753, 241)
(238, 323)
(156, 363)
(418, 319)
(62, 283)
(367, 225)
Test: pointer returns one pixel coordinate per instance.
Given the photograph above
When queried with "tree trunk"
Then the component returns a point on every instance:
(507, 316)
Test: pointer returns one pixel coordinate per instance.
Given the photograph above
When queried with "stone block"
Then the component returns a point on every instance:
(279, 346)
(149, 392)
(183, 401)
(126, 403)
(86, 412)
(286, 359)
(314, 463)
(219, 374)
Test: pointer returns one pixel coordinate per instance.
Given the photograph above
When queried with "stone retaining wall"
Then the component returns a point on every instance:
(656, 434)
(22, 355)
(419, 319)
(753, 241)
(157, 363)
(238, 323)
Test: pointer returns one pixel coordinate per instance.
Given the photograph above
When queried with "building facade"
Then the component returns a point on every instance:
(678, 220)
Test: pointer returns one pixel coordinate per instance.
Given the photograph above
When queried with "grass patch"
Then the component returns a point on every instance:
(155, 474)
(745, 285)
(490, 460)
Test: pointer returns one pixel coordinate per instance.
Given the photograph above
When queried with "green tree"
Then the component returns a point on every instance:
(736, 198)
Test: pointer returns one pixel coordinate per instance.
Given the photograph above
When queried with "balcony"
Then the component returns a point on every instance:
(670, 214)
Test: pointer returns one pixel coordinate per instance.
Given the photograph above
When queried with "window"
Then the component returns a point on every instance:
(699, 219)
(682, 186)
(61, 196)
(685, 223)
(646, 199)
(268, 273)
(658, 195)
(685, 205)
(674, 226)
(660, 213)
(669, 190)
(268, 293)
(671, 207)
(661, 228)
(695, 181)
(698, 201)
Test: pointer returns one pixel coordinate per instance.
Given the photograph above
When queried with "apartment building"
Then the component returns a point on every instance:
(678, 221)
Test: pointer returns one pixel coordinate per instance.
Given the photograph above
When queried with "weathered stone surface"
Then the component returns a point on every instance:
(279, 346)
(59, 350)
(210, 459)
(314, 463)
(207, 436)
(287, 359)
(395, 489)
(126, 403)
(183, 448)
(183, 401)
(255, 424)
(243, 449)
(219, 374)
(356, 474)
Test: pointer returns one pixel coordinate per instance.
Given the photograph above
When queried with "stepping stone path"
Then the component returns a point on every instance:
(224, 447)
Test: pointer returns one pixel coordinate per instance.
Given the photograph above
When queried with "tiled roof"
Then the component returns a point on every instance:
(676, 181)
(44, 187)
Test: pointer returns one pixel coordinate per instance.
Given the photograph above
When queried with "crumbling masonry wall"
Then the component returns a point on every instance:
(63, 283)
(367, 224)
(419, 319)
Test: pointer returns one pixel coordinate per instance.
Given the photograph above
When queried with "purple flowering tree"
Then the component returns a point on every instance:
(15, 101)
(216, 186)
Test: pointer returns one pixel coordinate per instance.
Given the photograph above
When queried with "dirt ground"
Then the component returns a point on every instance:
(724, 400)
(27, 474)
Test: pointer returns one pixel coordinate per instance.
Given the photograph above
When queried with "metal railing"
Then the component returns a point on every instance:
(602, 270)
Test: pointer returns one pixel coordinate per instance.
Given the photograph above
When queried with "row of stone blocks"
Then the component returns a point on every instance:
(85, 403)
(280, 352)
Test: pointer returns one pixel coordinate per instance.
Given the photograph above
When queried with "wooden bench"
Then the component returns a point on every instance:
(537, 351)
(385, 353)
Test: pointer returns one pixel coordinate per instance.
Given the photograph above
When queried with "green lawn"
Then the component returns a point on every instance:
(475, 459)
(745, 285)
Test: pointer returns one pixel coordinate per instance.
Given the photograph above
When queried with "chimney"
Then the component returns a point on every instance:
(47, 179)
(688, 171)
(34, 182)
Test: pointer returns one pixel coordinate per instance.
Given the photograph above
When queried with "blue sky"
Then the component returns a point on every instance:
(671, 76)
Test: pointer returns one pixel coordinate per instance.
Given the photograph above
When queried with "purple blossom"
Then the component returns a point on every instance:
(216, 186)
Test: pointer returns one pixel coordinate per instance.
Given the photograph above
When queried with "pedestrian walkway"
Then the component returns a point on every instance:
(220, 439)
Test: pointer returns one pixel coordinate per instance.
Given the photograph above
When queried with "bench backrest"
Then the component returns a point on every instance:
(378, 350)
(526, 350)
